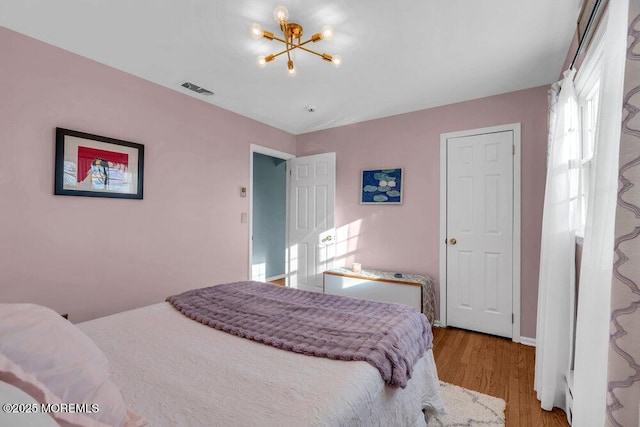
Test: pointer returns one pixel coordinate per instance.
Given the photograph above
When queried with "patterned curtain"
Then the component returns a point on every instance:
(623, 375)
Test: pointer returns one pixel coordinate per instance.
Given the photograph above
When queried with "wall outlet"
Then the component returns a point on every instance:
(243, 217)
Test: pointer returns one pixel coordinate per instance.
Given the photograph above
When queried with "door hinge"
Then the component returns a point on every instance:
(513, 318)
(513, 151)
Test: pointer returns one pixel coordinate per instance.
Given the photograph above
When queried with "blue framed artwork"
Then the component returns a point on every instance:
(381, 186)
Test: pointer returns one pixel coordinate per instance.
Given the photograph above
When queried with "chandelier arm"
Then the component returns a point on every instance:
(311, 51)
(279, 39)
(293, 46)
(275, 55)
(305, 42)
(289, 49)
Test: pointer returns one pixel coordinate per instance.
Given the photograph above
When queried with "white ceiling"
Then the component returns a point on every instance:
(399, 56)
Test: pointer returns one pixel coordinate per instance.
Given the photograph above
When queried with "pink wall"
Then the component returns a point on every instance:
(406, 237)
(90, 256)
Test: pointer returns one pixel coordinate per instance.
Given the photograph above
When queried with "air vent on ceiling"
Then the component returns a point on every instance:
(196, 88)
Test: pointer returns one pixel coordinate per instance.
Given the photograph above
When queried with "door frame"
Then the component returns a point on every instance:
(515, 128)
(254, 148)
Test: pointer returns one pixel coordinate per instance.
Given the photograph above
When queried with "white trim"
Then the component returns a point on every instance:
(517, 225)
(515, 128)
(270, 152)
(528, 341)
(278, 277)
(443, 231)
(253, 148)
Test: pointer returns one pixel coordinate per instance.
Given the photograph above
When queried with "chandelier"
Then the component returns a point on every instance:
(292, 34)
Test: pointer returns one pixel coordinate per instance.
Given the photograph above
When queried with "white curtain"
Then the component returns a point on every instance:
(557, 252)
(594, 302)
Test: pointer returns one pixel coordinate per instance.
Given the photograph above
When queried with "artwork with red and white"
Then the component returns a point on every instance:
(91, 165)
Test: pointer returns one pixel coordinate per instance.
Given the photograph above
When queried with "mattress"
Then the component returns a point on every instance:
(177, 372)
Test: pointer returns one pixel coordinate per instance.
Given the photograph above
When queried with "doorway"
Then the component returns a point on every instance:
(480, 230)
(307, 239)
(268, 215)
(269, 226)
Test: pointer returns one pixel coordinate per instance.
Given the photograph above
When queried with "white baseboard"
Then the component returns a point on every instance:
(528, 341)
(436, 324)
(270, 279)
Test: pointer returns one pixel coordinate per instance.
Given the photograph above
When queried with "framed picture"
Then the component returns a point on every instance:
(97, 166)
(381, 186)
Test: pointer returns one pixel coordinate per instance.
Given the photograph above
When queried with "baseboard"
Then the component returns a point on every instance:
(270, 279)
(528, 341)
(436, 324)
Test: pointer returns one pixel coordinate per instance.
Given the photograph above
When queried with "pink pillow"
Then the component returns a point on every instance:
(53, 361)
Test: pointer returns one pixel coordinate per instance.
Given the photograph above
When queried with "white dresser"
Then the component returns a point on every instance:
(411, 289)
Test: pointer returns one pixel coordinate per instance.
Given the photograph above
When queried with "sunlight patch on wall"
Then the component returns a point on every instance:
(258, 272)
(347, 243)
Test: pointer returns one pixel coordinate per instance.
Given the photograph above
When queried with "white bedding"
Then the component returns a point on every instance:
(177, 372)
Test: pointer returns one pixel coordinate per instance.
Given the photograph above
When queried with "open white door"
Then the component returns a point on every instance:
(311, 219)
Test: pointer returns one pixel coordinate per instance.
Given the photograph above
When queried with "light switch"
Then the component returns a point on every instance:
(243, 217)
(243, 191)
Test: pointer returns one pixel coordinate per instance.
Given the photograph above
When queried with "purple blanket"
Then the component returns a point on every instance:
(391, 337)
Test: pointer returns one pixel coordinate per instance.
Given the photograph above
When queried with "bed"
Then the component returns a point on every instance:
(174, 371)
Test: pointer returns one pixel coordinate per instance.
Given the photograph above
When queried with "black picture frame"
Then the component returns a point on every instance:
(97, 166)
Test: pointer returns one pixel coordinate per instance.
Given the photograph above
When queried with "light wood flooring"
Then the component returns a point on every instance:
(497, 367)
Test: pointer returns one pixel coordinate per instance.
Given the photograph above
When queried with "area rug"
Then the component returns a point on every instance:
(467, 408)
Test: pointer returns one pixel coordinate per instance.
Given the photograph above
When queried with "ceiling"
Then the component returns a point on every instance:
(398, 56)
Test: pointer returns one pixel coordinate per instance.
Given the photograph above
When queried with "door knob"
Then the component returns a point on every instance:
(327, 239)
(453, 241)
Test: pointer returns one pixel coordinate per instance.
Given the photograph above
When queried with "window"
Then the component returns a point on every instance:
(588, 90)
(588, 121)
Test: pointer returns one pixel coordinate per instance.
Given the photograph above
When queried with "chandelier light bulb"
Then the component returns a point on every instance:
(280, 14)
(291, 69)
(256, 31)
(336, 60)
(327, 32)
(261, 61)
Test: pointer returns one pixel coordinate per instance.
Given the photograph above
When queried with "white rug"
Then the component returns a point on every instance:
(467, 408)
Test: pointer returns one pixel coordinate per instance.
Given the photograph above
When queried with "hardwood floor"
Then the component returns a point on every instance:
(280, 282)
(497, 367)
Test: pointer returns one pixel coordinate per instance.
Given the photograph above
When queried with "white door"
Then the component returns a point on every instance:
(479, 255)
(311, 222)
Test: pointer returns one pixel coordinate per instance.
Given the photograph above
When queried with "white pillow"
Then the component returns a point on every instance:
(54, 362)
